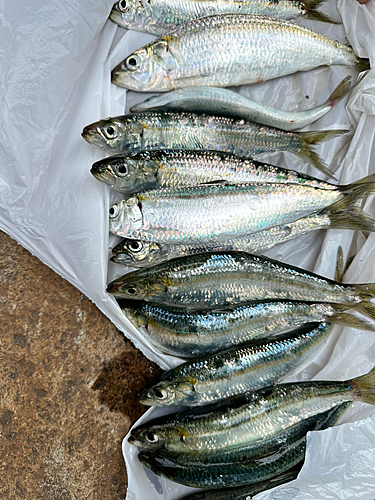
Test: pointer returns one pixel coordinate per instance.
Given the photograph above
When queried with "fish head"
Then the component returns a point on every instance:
(132, 15)
(115, 134)
(125, 217)
(146, 69)
(139, 253)
(126, 174)
(167, 393)
(138, 285)
(155, 435)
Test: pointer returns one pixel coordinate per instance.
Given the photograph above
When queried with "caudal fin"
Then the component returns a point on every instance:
(308, 139)
(342, 89)
(311, 12)
(354, 192)
(365, 307)
(347, 319)
(351, 218)
(364, 387)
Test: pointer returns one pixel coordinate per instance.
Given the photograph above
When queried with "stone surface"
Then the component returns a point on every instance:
(67, 387)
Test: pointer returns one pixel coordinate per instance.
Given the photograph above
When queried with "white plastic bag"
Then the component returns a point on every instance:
(55, 71)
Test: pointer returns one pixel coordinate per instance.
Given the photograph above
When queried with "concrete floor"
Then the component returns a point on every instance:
(67, 387)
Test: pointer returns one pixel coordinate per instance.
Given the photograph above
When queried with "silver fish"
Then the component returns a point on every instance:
(155, 131)
(235, 370)
(137, 253)
(221, 212)
(223, 51)
(248, 420)
(161, 16)
(190, 333)
(227, 278)
(204, 470)
(224, 102)
(137, 172)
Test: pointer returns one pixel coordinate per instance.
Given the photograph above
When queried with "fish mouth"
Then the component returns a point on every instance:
(102, 174)
(116, 16)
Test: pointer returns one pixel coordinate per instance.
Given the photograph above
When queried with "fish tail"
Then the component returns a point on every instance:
(364, 387)
(342, 89)
(339, 272)
(363, 64)
(351, 218)
(347, 319)
(354, 192)
(365, 307)
(312, 13)
(309, 139)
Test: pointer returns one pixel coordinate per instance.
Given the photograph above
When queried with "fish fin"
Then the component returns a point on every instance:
(306, 152)
(310, 7)
(351, 218)
(363, 64)
(347, 319)
(315, 15)
(339, 264)
(365, 307)
(343, 88)
(354, 192)
(364, 387)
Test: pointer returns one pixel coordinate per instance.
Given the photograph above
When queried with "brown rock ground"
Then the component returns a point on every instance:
(68, 380)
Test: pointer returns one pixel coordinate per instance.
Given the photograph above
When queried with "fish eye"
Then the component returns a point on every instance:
(133, 62)
(123, 6)
(122, 170)
(160, 393)
(132, 290)
(113, 211)
(151, 437)
(110, 132)
(135, 246)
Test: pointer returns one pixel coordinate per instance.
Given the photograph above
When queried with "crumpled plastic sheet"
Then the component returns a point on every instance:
(56, 59)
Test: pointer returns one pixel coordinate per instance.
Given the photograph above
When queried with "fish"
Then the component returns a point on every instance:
(189, 131)
(225, 102)
(137, 253)
(161, 16)
(225, 373)
(223, 51)
(203, 471)
(213, 279)
(247, 491)
(247, 421)
(221, 211)
(147, 170)
(190, 333)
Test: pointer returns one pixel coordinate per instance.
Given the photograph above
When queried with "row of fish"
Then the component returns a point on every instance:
(196, 212)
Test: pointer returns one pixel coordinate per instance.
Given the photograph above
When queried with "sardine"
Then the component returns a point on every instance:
(247, 491)
(223, 51)
(224, 102)
(134, 173)
(137, 253)
(227, 278)
(242, 470)
(235, 370)
(194, 333)
(161, 16)
(247, 421)
(221, 212)
(200, 472)
(154, 131)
